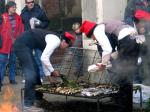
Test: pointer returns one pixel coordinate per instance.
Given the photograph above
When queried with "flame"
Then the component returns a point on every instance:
(7, 97)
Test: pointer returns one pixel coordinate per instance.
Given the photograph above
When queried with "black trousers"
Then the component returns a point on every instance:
(31, 73)
(122, 71)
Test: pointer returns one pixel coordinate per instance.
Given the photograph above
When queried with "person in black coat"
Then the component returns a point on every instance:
(32, 10)
(47, 42)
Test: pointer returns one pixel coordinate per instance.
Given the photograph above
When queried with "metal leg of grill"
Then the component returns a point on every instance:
(141, 99)
(98, 108)
(22, 98)
(66, 98)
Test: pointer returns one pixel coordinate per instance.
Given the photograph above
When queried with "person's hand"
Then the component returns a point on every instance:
(114, 55)
(55, 73)
(140, 39)
(101, 67)
(52, 80)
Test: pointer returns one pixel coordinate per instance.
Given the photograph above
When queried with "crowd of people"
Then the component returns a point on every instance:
(26, 37)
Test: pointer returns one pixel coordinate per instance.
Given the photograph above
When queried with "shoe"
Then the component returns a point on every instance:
(13, 82)
(32, 109)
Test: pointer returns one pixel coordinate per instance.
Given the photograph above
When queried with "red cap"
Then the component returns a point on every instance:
(141, 14)
(69, 36)
(86, 27)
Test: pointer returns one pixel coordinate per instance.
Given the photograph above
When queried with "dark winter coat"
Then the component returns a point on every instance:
(36, 12)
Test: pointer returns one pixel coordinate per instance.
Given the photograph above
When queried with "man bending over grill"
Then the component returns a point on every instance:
(111, 35)
(47, 42)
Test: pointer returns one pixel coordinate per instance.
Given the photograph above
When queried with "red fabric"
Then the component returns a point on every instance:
(69, 36)
(6, 32)
(86, 27)
(142, 15)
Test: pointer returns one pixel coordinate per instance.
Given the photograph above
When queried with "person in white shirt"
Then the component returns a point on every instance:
(47, 42)
(111, 36)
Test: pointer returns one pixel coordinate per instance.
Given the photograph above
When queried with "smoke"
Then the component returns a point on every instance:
(122, 70)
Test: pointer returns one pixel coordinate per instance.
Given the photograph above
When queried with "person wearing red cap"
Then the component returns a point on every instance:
(47, 42)
(115, 35)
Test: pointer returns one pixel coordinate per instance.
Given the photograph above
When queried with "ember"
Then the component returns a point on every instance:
(7, 104)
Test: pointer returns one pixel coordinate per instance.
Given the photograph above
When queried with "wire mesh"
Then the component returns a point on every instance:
(74, 62)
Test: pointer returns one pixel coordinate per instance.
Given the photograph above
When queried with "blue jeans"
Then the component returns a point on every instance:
(12, 65)
(3, 62)
(37, 57)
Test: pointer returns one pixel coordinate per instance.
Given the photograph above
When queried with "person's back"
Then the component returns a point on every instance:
(33, 38)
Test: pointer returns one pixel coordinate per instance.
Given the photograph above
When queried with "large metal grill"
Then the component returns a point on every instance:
(73, 64)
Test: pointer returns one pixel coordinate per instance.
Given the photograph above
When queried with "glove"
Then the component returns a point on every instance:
(140, 39)
(34, 22)
(31, 21)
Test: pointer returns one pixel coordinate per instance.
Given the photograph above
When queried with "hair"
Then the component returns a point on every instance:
(76, 26)
(68, 41)
(10, 4)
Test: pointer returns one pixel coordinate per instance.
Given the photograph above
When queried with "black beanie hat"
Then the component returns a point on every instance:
(10, 4)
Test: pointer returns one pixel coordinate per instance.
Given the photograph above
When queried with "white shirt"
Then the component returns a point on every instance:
(104, 42)
(127, 31)
(52, 42)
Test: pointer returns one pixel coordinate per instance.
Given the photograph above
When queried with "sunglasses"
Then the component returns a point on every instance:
(30, 2)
